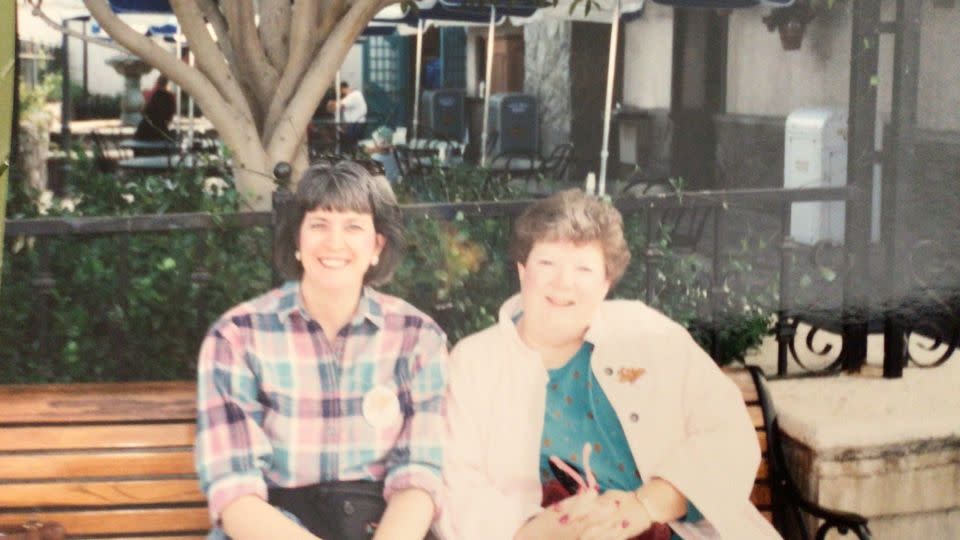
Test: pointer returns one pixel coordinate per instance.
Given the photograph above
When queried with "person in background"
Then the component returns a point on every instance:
(320, 403)
(576, 417)
(157, 113)
(353, 115)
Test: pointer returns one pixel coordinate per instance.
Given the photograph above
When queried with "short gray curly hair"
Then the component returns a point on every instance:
(572, 215)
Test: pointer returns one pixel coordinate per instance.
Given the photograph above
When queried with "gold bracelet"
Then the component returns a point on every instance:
(646, 506)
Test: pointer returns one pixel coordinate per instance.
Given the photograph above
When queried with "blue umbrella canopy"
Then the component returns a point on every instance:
(140, 6)
(514, 8)
(724, 4)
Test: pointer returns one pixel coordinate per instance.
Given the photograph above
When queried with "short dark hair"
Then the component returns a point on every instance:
(344, 84)
(573, 216)
(343, 186)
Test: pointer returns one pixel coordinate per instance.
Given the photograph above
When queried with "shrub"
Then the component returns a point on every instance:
(126, 308)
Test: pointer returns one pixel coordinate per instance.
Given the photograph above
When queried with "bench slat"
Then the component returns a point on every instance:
(760, 496)
(94, 465)
(104, 493)
(119, 522)
(756, 416)
(744, 382)
(98, 402)
(763, 472)
(93, 437)
(164, 537)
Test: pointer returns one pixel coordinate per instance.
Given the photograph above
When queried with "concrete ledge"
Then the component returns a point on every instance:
(886, 449)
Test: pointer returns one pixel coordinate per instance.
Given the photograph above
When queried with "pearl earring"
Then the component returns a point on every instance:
(375, 260)
(296, 254)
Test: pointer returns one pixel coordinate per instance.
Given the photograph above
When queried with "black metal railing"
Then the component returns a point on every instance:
(715, 209)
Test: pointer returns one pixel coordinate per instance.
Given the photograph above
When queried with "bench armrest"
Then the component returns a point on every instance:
(786, 490)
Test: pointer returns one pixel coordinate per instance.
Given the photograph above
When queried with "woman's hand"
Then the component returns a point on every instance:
(615, 515)
(556, 521)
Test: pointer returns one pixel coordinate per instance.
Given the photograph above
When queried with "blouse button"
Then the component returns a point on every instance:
(608, 371)
(634, 417)
(348, 508)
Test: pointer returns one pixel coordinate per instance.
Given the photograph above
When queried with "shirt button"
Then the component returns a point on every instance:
(348, 508)
(608, 371)
(634, 417)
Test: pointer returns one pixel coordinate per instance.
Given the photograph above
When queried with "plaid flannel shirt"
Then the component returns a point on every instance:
(281, 406)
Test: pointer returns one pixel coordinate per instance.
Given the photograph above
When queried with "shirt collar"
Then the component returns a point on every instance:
(512, 309)
(370, 307)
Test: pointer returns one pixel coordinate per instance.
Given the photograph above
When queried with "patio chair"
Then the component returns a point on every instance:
(556, 165)
(413, 163)
(515, 165)
(683, 226)
(107, 152)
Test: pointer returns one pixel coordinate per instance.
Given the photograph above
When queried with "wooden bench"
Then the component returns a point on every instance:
(104, 460)
(115, 460)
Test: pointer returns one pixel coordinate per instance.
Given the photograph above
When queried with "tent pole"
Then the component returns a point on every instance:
(178, 120)
(416, 80)
(611, 71)
(190, 104)
(486, 89)
(336, 111)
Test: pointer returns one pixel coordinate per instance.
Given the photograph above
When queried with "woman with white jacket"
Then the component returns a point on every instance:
(607, 412)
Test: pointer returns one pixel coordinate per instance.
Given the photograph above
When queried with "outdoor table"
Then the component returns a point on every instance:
(142, 147)
(165, 163)
(516, 164)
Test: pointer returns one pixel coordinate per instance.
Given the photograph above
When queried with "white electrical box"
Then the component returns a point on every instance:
(815, 155)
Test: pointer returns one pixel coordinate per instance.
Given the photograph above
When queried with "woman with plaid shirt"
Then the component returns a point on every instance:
(320, 403)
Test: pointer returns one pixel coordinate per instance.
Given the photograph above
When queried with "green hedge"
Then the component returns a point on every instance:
(150, 328)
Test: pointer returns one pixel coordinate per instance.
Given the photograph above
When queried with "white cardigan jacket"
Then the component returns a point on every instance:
(684, 419)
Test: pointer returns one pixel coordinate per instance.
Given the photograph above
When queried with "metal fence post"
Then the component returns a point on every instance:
(899, 175)
(281, 198)
(864, 58)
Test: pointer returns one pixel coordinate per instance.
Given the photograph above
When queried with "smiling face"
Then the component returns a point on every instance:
(337, 248)
(561, 286)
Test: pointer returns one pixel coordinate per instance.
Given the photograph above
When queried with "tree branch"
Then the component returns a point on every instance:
(63, 29)
(304, 40)
(213, 16)
(208, 55)
(246, 43)
(214, 106)
(275, 30)
(293, 123)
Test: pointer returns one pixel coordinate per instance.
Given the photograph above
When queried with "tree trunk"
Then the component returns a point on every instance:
(258, 84)
(8, 77)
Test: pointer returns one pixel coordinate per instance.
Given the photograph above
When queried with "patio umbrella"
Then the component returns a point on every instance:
(724, 4)
(140, 6)
(628, 9)
(514, 8)
(431, 11)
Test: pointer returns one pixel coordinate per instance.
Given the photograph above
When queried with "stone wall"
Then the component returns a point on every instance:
(909, 489)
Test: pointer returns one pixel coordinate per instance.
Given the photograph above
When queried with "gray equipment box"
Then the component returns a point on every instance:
(442, 114)
(514, 125)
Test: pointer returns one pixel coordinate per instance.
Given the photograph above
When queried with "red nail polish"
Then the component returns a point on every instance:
(564, 519)
(625, 524)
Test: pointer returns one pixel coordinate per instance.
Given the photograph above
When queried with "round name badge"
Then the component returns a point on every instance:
(380, 407)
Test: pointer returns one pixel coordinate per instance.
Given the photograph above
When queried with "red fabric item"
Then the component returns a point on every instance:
(554, 492)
